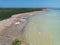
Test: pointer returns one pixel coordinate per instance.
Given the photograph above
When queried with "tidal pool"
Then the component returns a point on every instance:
(43, 29)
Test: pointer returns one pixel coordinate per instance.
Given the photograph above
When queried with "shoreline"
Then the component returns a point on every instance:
(8, 22)
(10, 28)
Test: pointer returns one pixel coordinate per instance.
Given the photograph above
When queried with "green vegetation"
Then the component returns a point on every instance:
(8, 12)
(16, 42)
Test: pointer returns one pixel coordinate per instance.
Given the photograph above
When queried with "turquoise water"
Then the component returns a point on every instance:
(44, 29)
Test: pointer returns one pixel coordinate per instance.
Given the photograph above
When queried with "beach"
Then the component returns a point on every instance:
(13, 27)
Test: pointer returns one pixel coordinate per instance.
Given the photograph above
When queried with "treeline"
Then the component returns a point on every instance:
(8, 12)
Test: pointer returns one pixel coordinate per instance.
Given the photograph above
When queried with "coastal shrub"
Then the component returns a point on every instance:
(8, 12)
(16, 42)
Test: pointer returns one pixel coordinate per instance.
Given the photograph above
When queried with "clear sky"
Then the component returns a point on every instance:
(30, 3)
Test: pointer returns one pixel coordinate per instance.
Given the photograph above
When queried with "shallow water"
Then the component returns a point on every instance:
(44, 29)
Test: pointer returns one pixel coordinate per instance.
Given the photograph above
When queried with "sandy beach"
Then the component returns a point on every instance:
(13, 27)
(8, 22)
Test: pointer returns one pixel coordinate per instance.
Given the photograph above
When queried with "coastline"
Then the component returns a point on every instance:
(8, 22)
(11, 30)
